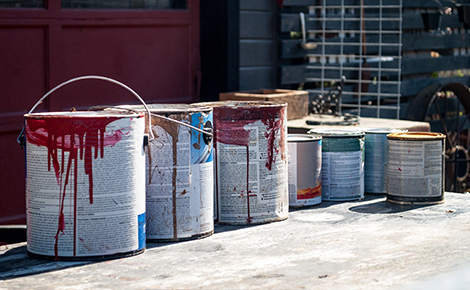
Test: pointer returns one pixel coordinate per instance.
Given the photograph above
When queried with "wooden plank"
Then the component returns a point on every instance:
(257, 25)
(260, 5)
(290, 48)
(406, 3)
(257, 78)
(429, 65)
(336, 2)
(434, 42)
(292, 74)
(257, 53)
(411, 87)
(410, 20)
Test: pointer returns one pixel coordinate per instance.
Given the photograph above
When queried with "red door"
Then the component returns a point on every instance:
(150, 45)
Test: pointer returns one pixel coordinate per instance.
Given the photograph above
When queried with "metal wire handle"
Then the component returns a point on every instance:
(97, 78)
(21, 138)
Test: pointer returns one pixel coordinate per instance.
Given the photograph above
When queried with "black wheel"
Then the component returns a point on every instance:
(447, 109)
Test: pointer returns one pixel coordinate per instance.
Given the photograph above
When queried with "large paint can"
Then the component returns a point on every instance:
(84, 193)
(342, 164)
(179, 179)
(376, 159)
(304, 169)
(251, 161)
(85, 184)
(416, 168)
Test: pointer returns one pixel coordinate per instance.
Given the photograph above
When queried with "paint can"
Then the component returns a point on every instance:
(179, 179)
(304, 169)
(376, 159)
(342, 164)
(85, 189)
(251, 161)
(85, 193)
(416, 168)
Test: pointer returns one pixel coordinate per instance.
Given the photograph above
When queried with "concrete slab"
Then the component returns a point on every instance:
(368, 244)
(300, 126)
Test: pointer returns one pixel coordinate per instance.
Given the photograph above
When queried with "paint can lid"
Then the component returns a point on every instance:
(383, 130)
(303, 137)
(243, 104)
(417, 136)
(337, 133)
(164, 108)
(84, 114)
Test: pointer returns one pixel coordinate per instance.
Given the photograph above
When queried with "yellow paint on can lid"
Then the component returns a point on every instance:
(418, 136)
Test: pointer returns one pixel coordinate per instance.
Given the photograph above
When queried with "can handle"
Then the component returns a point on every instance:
(21, 138)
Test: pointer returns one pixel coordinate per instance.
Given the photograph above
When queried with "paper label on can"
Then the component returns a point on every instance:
(415, 168)
(376, 160)
(304, 173)
(342, 175)
(180, 180)
(266, 184)
(292, 171)
(71, 213)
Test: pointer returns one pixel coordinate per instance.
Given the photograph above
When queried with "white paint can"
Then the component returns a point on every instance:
(304, 151)
(180, 180)
(85, 184)
(251, 161)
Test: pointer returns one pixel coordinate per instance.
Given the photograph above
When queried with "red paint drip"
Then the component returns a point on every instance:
(230, 123)
(249, 219)
(71, 134)
(272, 127)
(230, 129)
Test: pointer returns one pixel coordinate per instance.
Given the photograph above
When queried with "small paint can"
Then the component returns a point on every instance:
(342, 164)
(179, 179)
(376, 159)
(85, 189)
(416, 168)
(304, 169)
(251, 161)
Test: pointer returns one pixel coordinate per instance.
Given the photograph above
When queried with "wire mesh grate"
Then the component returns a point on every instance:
(363, 44)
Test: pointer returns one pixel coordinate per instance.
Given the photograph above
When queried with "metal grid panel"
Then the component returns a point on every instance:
(362, 43)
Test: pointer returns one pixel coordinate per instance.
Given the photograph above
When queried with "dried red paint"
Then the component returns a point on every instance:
(229, 125)
(231, 121)
(71, 134)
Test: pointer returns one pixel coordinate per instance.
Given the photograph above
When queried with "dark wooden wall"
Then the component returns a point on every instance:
(428, 57)
(258, 44)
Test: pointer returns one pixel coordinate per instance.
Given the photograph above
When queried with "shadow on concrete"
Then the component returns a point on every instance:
(384, 207)
(16, 263)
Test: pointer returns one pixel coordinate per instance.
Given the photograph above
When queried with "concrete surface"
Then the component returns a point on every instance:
(300, 125)
(368, 244)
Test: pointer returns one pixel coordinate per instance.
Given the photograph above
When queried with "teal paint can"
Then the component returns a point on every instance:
(376, 159)
(342, 164)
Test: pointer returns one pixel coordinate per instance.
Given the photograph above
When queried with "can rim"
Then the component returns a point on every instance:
(384, 130)
(303, 137)
(418, 136)
(167, 108)
(83, 114)
(337, 133)
(242, 104)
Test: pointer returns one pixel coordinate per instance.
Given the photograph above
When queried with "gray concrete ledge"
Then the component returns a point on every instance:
(369, 244)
